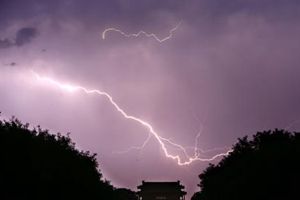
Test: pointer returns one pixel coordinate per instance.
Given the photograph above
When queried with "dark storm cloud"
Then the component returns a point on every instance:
(12, 64)
(23, 37)
(94, 10)
(136, 13)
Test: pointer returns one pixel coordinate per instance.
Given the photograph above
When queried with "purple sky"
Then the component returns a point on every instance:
(231, 67)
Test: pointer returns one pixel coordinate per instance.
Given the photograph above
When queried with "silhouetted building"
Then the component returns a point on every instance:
(161, 191)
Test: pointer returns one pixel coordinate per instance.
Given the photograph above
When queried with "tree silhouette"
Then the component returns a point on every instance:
(196, 196)
(37, 165)
(266, 167)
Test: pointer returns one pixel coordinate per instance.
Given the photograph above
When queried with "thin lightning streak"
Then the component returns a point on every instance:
(136, 147)
(292, 124)
(212, 150)
(177, 146)
(196, 153)
(140, 33)
(160, 140)
(197, 150)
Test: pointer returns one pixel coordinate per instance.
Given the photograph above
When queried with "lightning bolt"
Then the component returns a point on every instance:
(150, 35)
(152, 133)
(292, 124)
(136, 147)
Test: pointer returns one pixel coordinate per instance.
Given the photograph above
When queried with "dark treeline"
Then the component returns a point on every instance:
(37, 165)
(265, 167)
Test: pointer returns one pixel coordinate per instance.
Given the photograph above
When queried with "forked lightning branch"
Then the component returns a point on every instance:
(163, 142)
(149, 35)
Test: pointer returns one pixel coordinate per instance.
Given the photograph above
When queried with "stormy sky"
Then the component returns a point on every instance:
(230, 69)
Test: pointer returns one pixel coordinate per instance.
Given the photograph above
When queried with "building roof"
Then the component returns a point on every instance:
(162, 186)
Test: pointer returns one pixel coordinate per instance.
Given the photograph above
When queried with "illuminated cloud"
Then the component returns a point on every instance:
(234, 63)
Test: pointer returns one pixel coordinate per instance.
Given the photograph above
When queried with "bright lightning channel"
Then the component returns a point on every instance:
(152, 133)
(141, 33)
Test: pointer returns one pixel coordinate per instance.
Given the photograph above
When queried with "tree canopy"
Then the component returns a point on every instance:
(35, 164)
(265, 167)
